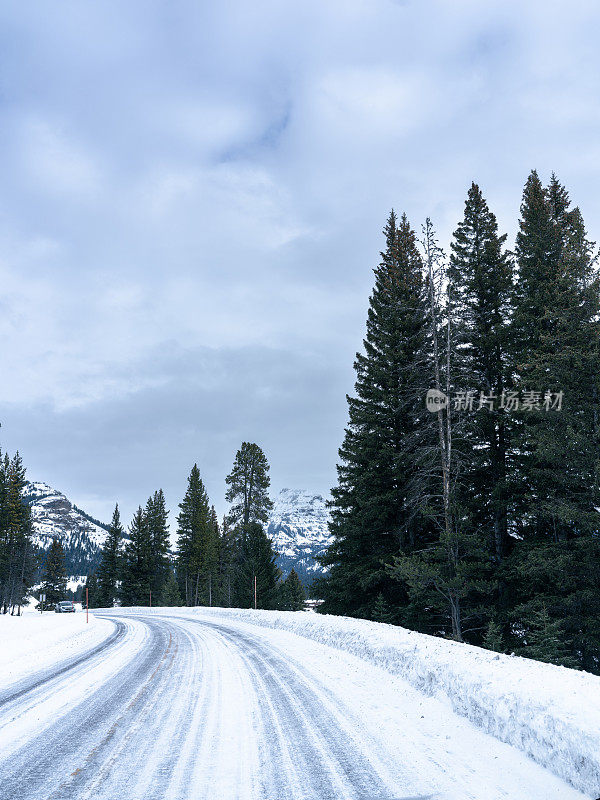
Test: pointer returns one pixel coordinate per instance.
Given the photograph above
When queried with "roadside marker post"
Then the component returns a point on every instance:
(87, 605)
(255, 592)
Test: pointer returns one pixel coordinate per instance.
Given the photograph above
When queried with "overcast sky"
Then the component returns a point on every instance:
(191, 203)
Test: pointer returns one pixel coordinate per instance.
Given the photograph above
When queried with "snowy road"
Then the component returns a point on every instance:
(180, 707)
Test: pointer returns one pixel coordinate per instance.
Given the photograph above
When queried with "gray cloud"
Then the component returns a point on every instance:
(192, 405)
(191, 203)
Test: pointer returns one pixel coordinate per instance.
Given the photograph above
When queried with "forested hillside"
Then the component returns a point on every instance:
(53, 515)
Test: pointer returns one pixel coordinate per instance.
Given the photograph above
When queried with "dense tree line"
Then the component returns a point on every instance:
(478, 521)
(232, 564)
(135, 569)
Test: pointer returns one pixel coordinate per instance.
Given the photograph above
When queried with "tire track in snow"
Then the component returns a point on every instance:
(38, 768)
(87, 779)
(19, 690)
(309, 755)
(217, 757)
(207, 711)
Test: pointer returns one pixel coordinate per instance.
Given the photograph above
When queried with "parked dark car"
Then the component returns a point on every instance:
(64, 607)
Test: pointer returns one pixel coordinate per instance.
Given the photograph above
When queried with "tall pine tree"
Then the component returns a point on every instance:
(137, 563)
(373, 514)
(248, 484)
(109, 569)
(17, 552)
(197, 543)
(480, 288)
(158, 530)
(555, 336)
(54, 578)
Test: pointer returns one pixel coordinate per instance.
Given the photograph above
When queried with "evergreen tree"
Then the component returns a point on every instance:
(555, 336)
(480, 289)
(375, 514)
(546, 639)
(137, 563)
(556, 347)
(248, 484)
(440, 574)
(256, 560)
(449, 578)
(54, 579)
(110, 564)
(493, 638)
(214, 575)
(90, 593)
(563, 577)
(158, 530)
(197, 543)
(291, 593)
(228, 546)
(17, 552)
(170, 592)
(381, 610)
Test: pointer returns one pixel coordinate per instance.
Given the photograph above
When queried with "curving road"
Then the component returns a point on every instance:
(181, 708)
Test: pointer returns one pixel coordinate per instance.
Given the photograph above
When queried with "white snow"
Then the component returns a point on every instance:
(35, 645)
(35, 641)
(550, 713)
(277, 704)
(74, 581)
(53, 514)
(298, 525)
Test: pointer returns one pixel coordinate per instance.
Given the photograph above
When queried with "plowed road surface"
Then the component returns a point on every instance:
(176, 707)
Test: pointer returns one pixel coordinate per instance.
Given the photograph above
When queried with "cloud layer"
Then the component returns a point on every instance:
(191, 203)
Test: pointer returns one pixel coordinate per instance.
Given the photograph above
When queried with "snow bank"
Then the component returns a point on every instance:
(33, 642)
(551, 713)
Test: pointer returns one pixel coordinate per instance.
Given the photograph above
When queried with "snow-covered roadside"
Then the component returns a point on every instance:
(36, 641)
(550, 713)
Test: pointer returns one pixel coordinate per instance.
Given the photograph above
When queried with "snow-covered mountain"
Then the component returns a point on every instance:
(298, 529)
(54, 515)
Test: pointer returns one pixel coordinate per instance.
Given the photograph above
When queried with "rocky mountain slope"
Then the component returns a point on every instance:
(54, 515)
(298, 529)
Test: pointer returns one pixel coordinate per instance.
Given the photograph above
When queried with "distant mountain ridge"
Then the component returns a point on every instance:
(53, 514)
(299, 529)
